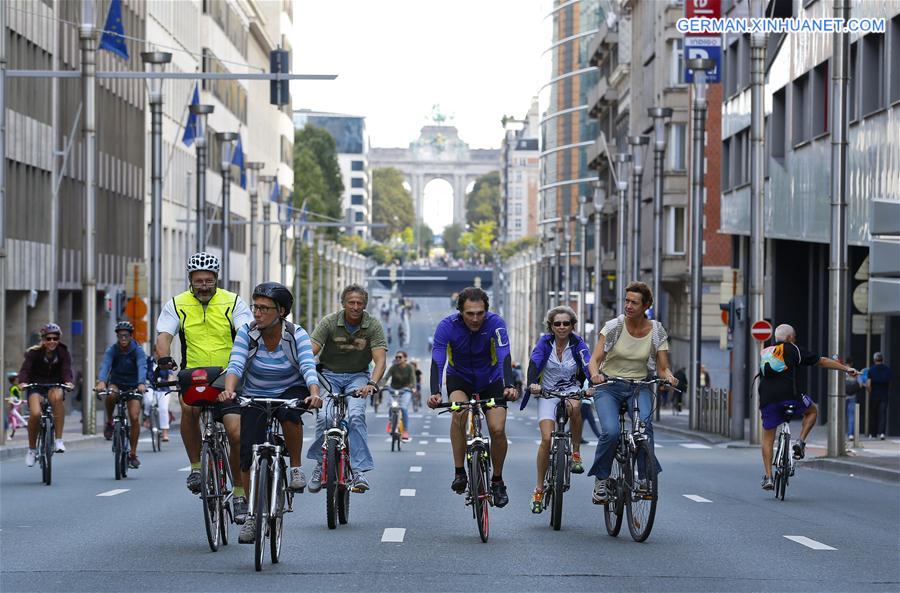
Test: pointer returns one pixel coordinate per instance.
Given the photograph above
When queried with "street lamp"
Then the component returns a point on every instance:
(699, 67)
(284, 216)
(320, 253)
(599, 198)
(156, 62)
(202, 112)
(638, 148)
(253, 169)
(267, 181)
(621, 159)
(659, 115)
(583, 206)
(226, 140)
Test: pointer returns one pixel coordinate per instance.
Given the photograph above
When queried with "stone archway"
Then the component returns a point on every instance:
(438, 153)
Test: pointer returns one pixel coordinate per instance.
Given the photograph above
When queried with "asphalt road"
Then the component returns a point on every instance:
(715, 529)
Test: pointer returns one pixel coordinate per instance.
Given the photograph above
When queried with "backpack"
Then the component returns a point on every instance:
(287, 335)
(771, 360)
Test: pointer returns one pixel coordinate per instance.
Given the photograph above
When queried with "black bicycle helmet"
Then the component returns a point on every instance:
(126, 326)
(277, 292)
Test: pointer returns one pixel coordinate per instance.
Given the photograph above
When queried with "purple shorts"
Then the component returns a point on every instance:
(774, 414)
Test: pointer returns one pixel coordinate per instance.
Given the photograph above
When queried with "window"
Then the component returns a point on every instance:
(287, 151)
(229, 92)
(853, 83)
(726, 164)
(676, 230)
(518, 224)
(360, 217)
(776, 132)
(800, 129)
(820, 99)
(357, 199)
(357, 182)
(871, 70)
(732, 72)
(676, 53)
(357, 166)
(517, 209)
(895, 59)
(677, 147)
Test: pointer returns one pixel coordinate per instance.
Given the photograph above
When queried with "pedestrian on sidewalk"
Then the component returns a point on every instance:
(852, 387)
(878, 386)
(678, 396)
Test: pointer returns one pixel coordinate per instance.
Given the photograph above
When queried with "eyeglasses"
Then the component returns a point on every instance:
(203, 282)
(262, 308)
(399, 358)
(51, 338)
(562, 323)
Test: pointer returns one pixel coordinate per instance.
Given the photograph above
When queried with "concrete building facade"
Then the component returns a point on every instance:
(520, 176)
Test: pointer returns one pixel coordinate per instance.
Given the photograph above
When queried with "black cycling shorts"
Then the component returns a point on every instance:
(494, 390)
(253, 424)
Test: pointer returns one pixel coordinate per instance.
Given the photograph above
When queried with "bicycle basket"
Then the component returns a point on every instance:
(196, 385)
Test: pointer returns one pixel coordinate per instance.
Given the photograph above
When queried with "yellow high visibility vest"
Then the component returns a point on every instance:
(207, 333)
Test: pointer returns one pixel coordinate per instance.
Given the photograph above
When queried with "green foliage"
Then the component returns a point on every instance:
(426, 238)
(325, 150)
(317, 176)
(519, 245)
(451, 237)
(483, 202)
(391, 203)
(479, 239)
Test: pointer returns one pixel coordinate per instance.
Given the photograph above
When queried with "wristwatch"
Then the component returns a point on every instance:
(374, 384)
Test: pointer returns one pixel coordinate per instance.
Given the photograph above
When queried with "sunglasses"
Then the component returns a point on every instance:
(562, 323)
(50, 339)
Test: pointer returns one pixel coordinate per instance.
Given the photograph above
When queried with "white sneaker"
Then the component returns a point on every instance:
(60, 446)
(30, 457)
(296, 479)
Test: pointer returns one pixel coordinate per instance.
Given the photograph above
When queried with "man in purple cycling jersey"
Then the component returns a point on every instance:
(474, 345)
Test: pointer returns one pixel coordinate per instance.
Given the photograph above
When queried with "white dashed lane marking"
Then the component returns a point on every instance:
(407, 492)
(393, 535)
(809, 543)
(415, 469)
(420, 453)
(442, 440)
(113, 492)
(696, 498)
(185, 469)
(695, 446)
(423, 442)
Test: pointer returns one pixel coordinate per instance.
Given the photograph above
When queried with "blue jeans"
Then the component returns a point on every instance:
(405, 401)
(607, 400)
(851, 415)
(357, 432)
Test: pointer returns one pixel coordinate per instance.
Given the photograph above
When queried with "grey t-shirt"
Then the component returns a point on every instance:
(560, 374)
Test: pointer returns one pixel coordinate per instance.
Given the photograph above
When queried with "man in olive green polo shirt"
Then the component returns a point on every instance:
(346, 343)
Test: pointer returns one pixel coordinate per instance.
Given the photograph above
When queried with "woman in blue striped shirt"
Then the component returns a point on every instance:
(275, 359)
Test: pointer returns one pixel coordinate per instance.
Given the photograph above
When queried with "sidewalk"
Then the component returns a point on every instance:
(876, 459)
(17, 446)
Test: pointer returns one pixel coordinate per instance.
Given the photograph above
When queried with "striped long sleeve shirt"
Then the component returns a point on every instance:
(270, 374)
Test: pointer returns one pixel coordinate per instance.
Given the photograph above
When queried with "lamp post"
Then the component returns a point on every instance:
(567, 280)
(320, 253)
(253, 169)
(226, 139)
(621, 160)
(202, 112)
(298, 247)
(267, 180)
(700, 67)
(599, 198)
(659, 115)
(582, 261)
(156, 62)
(638, 147)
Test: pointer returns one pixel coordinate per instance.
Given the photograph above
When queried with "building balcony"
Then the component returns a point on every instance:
(601, 43)
(601, 97)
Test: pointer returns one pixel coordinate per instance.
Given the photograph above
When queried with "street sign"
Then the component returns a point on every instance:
(135, 308)
(136, 279)
(873, 323)
(706, 48)
(710, 9)
(761, 330)
(861, 297)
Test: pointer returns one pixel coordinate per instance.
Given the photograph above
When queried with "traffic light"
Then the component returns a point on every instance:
(727, 310)
(279, 62)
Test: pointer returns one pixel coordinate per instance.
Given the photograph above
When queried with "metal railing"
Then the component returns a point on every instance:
(709, 412)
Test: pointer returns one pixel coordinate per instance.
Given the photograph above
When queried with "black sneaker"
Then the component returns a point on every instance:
(134, 462)
(498, 491)
(239, 504)
(768, 483)
(799, 450)
(460, 482)
(193, 481)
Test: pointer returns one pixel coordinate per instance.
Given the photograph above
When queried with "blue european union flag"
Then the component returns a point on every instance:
(190, 128)
(276, 192)
(238, 160)
(113, 37)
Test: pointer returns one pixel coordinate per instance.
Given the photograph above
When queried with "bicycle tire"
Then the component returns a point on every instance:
(559, 478)
(395, 432)
(226, 484)
(614, 509)
(641, 504)
(155, 432)
(276, 521)
(117, 451)
(123, 457)
(331, 483)
(261, 511)
(343, 507)
(784, 470)
(479, 492)
(209, 496)
(47, 453)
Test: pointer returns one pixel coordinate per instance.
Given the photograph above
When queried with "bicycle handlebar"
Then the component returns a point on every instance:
(295, 403)
(654, 381)
(550, 394)
(486, 403)
(63, 386)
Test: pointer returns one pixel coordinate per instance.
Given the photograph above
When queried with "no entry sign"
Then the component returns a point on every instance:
(761, 330)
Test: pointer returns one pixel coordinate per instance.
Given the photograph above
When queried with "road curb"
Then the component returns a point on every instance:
(859, 470)
(18, 451)
(709, 438)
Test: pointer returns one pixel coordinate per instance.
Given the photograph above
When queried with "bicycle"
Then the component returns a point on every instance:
(121, 439)
(14, 418)
(395, 418)
(337, 475)
(478, 459)
(783, 461)
(45, 439)
(417, 399)
(270, 497)
(153, 419)
(216, 481)
(558, 476)
(633, 483)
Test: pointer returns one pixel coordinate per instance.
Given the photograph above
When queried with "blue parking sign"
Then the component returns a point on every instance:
(709, 48)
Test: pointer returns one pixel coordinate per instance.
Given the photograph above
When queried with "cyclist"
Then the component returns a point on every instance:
(403, 378)
(401, 334)
(161, 396)
(630, 346)
(778, 386)
(205, 319)
(475, 347)
(346, 343)
(559, 362)
(417, 394)
(48, 362)
(124, 367)
(274, 358)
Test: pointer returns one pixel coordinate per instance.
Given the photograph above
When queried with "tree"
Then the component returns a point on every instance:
(483, 202)
(317, 176)
(451, 236)
(479, 238)
(517, 246)
(426, 237)
(321, 143)
(391, 203)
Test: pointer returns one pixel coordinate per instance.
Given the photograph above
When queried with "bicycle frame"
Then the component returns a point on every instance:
(272, 449)
(337, 433)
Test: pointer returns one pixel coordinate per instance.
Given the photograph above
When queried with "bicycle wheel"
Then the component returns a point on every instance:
(117, 452)
(331, 483)
(155, 432)
(395, 429)
(123, 455)
(261, 511)
(343, 507)
(209, 496)
(614, 509)
(640, 497)
(276, 521)
(784, 470)
(478, 488)
(559, 475)
(46, 453)
(226, 486)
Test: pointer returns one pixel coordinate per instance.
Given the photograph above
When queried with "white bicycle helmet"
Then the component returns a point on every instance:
(203, 262)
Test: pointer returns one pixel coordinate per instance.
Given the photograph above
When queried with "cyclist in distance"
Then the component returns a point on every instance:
(346, 342)
(205, 319)
(274, 358)
(124, 367)
(474, 346)
(559, 362)
(630, 346)
(48, 362)
(402, 376)
(778, 387)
